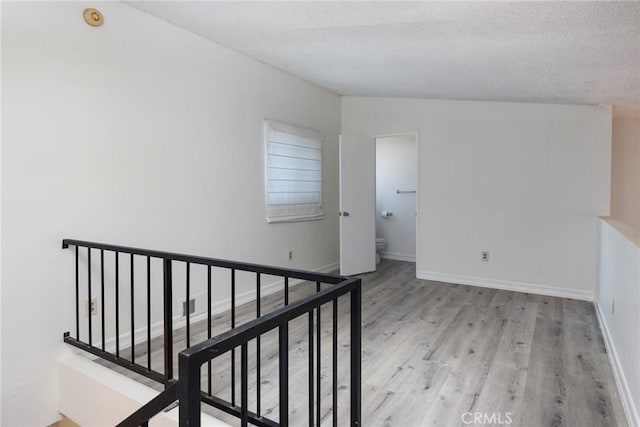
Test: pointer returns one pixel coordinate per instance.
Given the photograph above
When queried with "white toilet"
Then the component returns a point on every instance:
(380, 245)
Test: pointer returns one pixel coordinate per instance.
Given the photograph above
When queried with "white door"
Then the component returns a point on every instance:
(357, 204)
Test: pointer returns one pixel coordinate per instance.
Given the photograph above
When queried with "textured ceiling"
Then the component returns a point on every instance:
(551, 52)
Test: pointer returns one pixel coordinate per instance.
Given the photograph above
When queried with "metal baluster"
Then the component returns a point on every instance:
(311, 368)
(102, 296)
(188, 305)
(89, 307)
(286, 290)
(168, 320)
(77, 299)
(258, 346)
(133, 329)
(356, 343)
(318, 338)
(233, 325)
(335, 363)
(244, 381)
(209, 325)
(117, 296)
(149, 312)
(283, 354)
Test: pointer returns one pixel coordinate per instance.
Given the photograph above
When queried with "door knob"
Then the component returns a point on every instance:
(345, 213)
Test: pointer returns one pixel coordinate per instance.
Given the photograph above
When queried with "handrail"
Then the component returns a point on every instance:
(214, 262)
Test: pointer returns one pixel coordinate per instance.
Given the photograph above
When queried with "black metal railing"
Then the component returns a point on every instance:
(188, 387)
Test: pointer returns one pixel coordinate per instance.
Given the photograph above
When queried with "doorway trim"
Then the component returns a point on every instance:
(416, 135)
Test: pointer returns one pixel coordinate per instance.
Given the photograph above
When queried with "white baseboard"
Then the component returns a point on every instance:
(157, 329)
(397, 257)
(630, 409)
(507, 285)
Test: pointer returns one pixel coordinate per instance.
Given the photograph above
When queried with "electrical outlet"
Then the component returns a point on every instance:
(290, 254)
(192, 307)
(484, 256)
(91, 307)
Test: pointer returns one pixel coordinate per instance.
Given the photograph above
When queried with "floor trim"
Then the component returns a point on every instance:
(630, 410)
(507, 285)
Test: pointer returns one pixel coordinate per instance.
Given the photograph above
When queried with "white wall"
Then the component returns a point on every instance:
(397, 169)
(625, 169)
(618, 303)
(523, 181)
(134, 133)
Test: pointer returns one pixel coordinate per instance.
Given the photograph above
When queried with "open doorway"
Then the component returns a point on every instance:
(394, 217)
(396, 197)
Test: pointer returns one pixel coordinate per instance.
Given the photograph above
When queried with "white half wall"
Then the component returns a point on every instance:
(93, 395)
(618, 308)
(136, 133)
(525, 182)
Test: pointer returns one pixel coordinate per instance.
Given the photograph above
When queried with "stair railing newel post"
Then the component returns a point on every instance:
(188, 391)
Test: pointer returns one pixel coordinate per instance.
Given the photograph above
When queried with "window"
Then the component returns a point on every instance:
(293, 169)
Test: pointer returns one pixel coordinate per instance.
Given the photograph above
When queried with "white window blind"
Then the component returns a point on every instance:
(293, 157)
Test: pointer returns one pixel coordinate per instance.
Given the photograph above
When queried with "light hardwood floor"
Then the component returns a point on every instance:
(433, 352)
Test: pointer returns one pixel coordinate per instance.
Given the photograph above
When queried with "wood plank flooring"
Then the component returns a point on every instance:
(436, 354)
